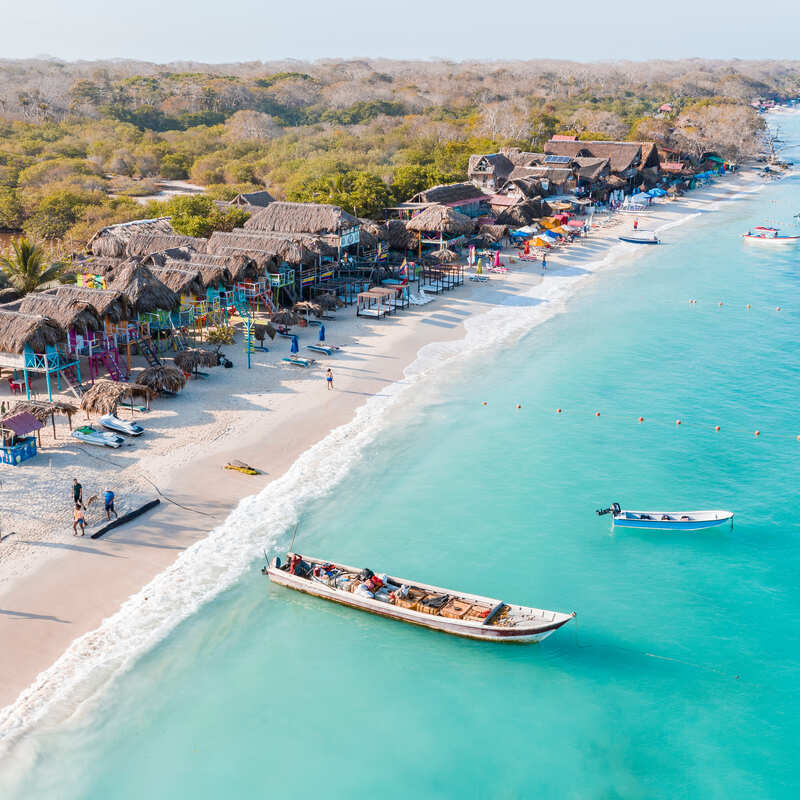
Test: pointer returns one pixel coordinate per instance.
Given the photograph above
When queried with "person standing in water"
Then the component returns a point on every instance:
(329, 378)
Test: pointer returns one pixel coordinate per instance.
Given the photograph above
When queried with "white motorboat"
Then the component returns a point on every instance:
(666, 520)
(91, 435)
(114, 423)
(458, 613)
(764, 235)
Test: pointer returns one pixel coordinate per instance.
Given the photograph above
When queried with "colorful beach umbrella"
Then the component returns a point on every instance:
(322, 333)
(295, 348)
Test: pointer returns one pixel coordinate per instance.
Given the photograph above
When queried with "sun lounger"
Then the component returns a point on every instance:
(299, 361)
(479, 278)
(329, 350)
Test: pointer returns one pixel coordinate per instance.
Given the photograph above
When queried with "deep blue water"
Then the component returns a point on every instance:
(680, 676)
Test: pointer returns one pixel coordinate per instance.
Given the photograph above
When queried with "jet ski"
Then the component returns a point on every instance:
(90, 435)
(114, 423)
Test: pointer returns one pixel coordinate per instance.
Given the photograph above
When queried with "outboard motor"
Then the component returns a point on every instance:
(614, 509)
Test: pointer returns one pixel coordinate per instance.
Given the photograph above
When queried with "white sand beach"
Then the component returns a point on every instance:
(55, 587)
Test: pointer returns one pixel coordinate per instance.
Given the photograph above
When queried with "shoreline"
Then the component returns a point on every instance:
(311, 440)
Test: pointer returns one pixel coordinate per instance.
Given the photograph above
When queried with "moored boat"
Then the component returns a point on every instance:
(764, 235)
(469, 615)
(90, 435)
(666, 520)
(641, 237)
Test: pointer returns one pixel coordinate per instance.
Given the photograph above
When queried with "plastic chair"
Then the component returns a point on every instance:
(16, 388)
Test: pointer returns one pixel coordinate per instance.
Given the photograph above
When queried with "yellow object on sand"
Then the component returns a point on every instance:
(240, 466)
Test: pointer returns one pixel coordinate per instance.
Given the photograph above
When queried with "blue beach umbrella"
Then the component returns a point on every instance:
(295, 346)
(322, 333)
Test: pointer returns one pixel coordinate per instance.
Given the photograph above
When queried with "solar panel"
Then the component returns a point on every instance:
(557, 159)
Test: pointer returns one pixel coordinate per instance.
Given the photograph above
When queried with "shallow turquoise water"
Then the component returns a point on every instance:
(680, 677)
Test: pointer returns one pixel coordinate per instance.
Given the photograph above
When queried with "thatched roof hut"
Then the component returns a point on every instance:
(9, 295)
(250, 200)
(143, 244)
(108, 303)
(189, 360)
(68, 312)
(104, 397)
(162, 378)
(265, 250)
(97, 265)
(441, 219)
(493, 233)
(308, 307)
(395, 233)
(42, 409)
(524, 212)
(18, 329)
(301, 218)
(456, 193)
(212, 269)
(144, 291)
(181, 281)
(329, 302)
(113, 239)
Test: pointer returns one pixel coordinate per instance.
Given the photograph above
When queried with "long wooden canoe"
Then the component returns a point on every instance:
(457, 613)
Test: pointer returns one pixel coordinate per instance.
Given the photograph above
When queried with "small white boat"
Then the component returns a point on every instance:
(764, 235)
(666, 520)
(114, 423)
(468, 615)
(90, 435)
(641, 237)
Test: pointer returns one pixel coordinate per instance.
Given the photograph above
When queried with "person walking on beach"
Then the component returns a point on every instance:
(329, 378)
(77, 491)
(635, 223)
(108, 499)
(544, 262)
(78, 520)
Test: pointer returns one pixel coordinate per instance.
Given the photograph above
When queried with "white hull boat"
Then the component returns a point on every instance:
(89, 435)
(763, 235)
(468, 615)
(666, 520)
(114, 423)
(641, 237)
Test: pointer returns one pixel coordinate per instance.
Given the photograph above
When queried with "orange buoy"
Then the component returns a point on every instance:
(778, 308)
(597, 413)
(748, 306)
(484, 402)
(518, 405)
(798, 438)
(558, 411)
(720, 303)
(756, 433)
(677, 422)
(716, 428)
(641, 419)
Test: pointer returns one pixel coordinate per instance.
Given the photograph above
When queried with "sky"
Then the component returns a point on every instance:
(264, 30)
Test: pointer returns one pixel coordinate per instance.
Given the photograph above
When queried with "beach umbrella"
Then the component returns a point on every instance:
(321, 333)
(295, 346)
(497, 258)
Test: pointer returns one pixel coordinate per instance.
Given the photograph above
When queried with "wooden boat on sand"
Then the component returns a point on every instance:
(458, 613)
(640, 237)
(666, 520)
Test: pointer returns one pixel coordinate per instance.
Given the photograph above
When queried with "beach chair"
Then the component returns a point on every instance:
(328, 349)
(299, 361)
(16, 388)
(479, 278)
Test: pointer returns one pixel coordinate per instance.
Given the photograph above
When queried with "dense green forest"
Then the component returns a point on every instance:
(79, 142)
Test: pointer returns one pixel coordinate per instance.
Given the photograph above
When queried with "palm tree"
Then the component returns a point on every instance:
(25, 269)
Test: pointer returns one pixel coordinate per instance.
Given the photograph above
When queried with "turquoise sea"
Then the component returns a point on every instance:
(679, 677)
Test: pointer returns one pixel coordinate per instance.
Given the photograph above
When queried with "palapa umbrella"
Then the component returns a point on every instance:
(321, 333)
(162, 378)
(285, 318)
(189, 360)
(295, 348)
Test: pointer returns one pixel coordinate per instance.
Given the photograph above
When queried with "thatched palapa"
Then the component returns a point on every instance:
(301, 218)
(285, 318)
(42, 409)
(163, 378)
(189, 360)
(108, 303)
(104, 397)
(493, 233)
(143, 244)
(113, 239)
(443, 256)
(308, 307)
(440, 219)
(18, 329)
(181, 281)
(69, 313)
(394, 232)
(524, 212)
(144, 291)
